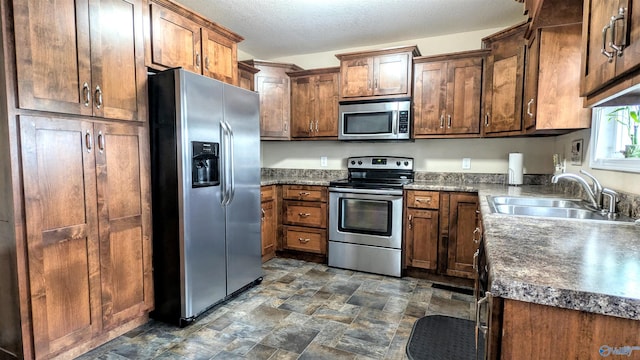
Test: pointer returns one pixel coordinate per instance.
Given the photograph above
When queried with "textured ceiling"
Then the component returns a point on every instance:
(277, 28)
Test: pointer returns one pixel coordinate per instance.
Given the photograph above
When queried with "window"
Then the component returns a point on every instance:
(614, 138)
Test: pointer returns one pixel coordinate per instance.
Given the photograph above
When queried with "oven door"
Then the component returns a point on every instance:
(366, 217)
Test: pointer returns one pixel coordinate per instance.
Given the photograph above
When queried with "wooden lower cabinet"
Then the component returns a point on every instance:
(439, 232)
(304, 221)
(87, 229)
(533, 331)
(269, 225)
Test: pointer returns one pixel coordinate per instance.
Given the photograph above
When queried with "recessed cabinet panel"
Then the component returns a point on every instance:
(175, 41)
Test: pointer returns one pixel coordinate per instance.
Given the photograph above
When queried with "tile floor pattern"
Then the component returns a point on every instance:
(301, 310)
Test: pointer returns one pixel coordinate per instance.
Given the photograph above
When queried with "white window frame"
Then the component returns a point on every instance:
(603, 134)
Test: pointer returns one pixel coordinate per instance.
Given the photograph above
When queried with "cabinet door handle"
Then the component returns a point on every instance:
(303, 240)
(427, 200)
(263, 213)
(88, 139)
(529, 108)
(410, 221)
(604, 51)
(441, 121)
(475, 232)
(449, 121)
(310, 126)
(486, 120)
(304, 215)
(98, 97)
(316, 125)
(304, 193)
(285, 126)
(100, 141)
(206, 63)
(87, 94)
(475, 259)
(619, 48)
(375, 83)
(197, 59)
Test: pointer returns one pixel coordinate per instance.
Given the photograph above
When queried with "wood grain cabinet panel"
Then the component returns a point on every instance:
(89, 61)
(246, 76)
(305, 213)
(376, 73)
(125, 248)
(269, 222)
(314, 103)
(461, 244)
(552, 103)
(447, 94)
(421, 236)
(62, 233)
(304, 218)
(88, 234)
(274, 88)
(178, 37)
(504, 82)
(305, 239)
(600, 70)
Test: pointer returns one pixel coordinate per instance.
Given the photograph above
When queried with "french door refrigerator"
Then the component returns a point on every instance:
(205, 166)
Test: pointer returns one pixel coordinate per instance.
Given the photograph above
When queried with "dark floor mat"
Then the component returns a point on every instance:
(438, 337)
(460, 290)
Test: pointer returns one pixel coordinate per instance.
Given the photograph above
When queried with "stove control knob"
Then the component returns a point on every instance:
(406, 163)
(353, 162)
(397, 163)
(359, 162)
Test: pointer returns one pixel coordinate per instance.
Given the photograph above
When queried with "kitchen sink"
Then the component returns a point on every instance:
(549, 207)
(537, 201)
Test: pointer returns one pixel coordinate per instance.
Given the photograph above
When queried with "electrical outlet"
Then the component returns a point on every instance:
(466, 163)
(323, 161)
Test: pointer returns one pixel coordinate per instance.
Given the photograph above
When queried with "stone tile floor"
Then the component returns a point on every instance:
(301, 310)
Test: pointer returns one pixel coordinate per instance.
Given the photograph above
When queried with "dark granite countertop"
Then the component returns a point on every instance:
(585, 265)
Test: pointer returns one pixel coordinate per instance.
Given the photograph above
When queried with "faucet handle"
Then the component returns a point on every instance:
(613, 199)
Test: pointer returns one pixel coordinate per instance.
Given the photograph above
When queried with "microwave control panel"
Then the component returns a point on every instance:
(403, 121)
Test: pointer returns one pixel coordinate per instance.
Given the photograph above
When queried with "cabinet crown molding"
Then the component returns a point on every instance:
(392, 50)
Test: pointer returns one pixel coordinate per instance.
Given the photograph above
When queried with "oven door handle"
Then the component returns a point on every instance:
(366, 191)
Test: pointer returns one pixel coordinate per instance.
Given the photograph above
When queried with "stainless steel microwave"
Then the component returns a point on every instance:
(380, 120)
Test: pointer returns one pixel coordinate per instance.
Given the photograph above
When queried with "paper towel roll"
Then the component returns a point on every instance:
(515, 169)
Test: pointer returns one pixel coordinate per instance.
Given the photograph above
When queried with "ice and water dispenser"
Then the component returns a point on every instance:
(204, 164)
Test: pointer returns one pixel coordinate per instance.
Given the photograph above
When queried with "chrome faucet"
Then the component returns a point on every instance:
(577, 178)
(596, 187)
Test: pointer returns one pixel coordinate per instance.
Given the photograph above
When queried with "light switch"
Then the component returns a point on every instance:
(466, 163)
(323, 161)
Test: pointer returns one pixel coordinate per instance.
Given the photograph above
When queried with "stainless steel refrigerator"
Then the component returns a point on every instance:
(205, 169)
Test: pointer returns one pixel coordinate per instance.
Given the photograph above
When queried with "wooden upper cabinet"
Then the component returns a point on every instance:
(447, 94)
(602, 64)
(314, 103)
(504, 82)
(246, 76)
(179, 37)
(82, 57)
(274, 88)
(552, 103)
(175, 40)
(377, 73)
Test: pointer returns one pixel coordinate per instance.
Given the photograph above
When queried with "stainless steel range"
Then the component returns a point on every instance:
(365, 214)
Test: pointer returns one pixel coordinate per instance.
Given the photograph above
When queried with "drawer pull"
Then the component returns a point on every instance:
(427, 200)
(304, 215)
(304, 193)
(303, 240)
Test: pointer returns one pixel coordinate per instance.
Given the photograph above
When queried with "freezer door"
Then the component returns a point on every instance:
(201, 110)
(241, 112)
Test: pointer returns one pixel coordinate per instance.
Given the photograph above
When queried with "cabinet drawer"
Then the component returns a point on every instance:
(267, 193)
(305, 213)
(305, 239)
(307, 193)
(423, 199)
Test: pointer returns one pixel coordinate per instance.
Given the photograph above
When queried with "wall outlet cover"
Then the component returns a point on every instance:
(323, 161)
(576, 152)
(466, 163)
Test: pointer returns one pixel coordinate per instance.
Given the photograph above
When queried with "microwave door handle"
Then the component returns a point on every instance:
(394, 122)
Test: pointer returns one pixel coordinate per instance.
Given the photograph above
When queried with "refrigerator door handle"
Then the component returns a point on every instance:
(223, 164)
(231, 166)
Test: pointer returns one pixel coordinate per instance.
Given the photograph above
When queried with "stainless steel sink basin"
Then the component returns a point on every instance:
(549, 207)
(537, 201)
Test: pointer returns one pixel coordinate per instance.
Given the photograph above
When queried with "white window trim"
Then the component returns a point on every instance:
(626, 165)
